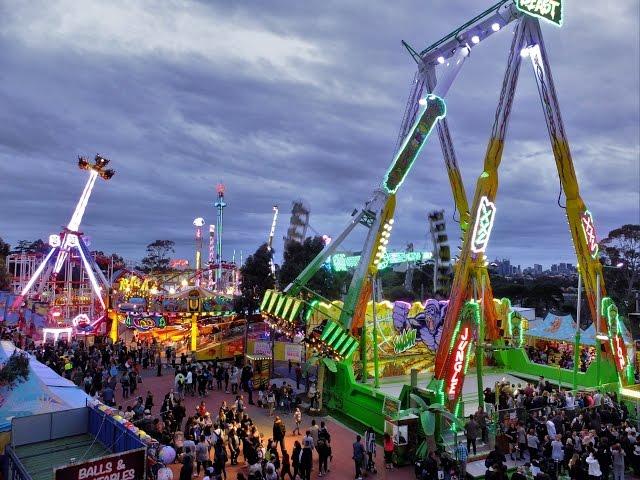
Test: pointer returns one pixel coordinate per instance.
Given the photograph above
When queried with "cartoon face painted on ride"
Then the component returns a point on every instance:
(427, 323)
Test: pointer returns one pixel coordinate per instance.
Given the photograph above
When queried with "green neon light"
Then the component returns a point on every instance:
(312, 307)
(265, 299)
(551, 11)
(331, 326)
(342, 263)
(434, 110)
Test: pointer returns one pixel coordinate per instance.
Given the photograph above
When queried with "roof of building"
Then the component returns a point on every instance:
(44, 391)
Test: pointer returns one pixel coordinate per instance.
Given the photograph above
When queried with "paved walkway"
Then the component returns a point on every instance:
(342, 438)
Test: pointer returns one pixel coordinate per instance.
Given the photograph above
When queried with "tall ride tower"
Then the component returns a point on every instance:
(220, 207)
(71, 241)
(212, 257)
(198, 223)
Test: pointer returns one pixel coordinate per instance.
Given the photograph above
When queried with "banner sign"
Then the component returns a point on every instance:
(457, 367)
(262, 348)
(293, 352)
(121, 466)
(549, 10)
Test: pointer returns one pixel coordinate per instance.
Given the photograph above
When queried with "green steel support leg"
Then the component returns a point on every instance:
(363, 352)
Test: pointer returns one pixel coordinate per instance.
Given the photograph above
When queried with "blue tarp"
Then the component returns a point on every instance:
(45, 391)
(562, 328)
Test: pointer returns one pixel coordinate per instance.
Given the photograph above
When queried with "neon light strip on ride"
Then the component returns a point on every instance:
(37, 273)
(92, 278)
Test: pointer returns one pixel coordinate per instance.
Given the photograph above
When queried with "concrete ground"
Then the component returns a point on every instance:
(342, 438)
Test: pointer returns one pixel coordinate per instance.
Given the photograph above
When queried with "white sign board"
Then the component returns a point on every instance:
(293, 352)
(262, 349)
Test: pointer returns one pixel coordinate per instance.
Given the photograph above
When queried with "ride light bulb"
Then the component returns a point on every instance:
(475, 39)
(495, 27)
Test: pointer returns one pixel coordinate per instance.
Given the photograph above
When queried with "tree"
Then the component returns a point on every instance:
(158, 257)
(544, 297)
(256, 279)
(297, 256)
(25, 246)
(621, 250)
(5, 280)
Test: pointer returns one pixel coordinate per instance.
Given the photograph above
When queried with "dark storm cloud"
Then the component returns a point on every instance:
(294, 99)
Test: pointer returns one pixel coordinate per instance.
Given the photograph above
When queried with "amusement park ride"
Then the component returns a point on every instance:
(70, 244)
(472, 323)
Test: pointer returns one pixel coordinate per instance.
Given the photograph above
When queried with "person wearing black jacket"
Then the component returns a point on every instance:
(295, 458)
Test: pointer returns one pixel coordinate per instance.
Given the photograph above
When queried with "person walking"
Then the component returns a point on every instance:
(471, 431)
(220, 457)
(202, 455)
(279, 432)
(594, 467)
(358, 456)
(461, 456)
(618, 454)
(323, 455)
(286, 466)
(296, 455)
(297, 417)
(124, 381)
(306, 458)
(370, 449)
(389, 447)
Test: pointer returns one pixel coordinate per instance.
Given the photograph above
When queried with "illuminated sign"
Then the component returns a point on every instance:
(457, 369)
(619, 348)
(179, 263)
(145, 322)
(54, 240)
(56, 332)
(484, 224)
(341, 262)
(589, 229)
(82, 322)
(549, 10)
(405, 341)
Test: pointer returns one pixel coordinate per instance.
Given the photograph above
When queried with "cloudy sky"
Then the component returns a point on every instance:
(285, 100)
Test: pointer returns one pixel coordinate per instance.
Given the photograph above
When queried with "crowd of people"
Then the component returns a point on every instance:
(204, 440)
(561, 354)
(588, 435)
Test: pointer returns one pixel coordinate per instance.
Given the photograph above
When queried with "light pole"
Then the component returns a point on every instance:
(576, 346)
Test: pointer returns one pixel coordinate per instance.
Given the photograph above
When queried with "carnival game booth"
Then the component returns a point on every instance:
(193, 320)
(43, 391)
(87, 443)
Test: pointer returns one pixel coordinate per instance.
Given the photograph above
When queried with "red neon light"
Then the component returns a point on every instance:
(620, 353)
(457, 368)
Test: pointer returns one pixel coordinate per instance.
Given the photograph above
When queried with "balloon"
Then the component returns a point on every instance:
(165, 474)
(167, 455)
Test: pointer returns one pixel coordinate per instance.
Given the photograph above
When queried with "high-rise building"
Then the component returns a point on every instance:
(537, 269)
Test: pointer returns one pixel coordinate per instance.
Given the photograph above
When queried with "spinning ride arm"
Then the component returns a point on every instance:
(377, 216)
(581, 223)
(471, 279)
